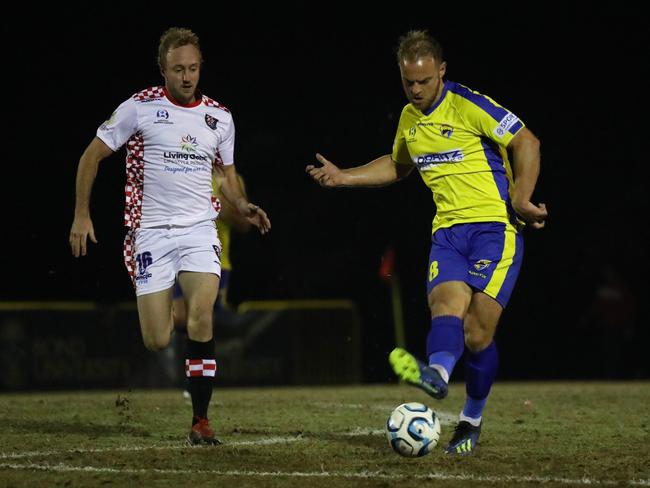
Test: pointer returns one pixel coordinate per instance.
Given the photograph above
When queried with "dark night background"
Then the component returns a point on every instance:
(327, 82)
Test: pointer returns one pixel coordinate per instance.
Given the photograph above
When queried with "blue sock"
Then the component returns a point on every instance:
(480, 371)
(445, 342)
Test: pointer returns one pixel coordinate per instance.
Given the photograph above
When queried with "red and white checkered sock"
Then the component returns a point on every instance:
(200, 368)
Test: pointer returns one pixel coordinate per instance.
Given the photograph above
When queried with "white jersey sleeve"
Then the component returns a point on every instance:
(226, 148)
(121, 125)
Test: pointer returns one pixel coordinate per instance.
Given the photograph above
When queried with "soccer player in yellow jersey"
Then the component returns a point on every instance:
(459, 141)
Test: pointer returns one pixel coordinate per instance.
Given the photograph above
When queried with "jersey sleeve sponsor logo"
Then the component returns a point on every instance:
(505, 124)
(425, 161)
(211, 121)
(106, 125)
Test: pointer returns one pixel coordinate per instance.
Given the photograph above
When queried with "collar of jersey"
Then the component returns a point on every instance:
(445, 87)
(196, 103)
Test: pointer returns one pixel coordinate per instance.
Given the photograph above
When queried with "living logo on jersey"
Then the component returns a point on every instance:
(187, 160)
(188, 143)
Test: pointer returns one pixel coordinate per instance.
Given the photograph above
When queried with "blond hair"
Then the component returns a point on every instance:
(176, 37)
(418, 44)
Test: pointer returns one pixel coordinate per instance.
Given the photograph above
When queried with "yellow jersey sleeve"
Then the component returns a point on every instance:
(486, 117)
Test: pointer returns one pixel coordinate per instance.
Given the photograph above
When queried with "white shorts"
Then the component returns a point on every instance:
(154, 256)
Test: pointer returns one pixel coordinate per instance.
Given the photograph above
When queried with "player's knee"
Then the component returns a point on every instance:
(477, 339)
(441, 307)
(448, 305)
(199, 317)
(155, 343)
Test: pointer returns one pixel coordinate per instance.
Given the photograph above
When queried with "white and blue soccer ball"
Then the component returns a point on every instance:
(413, 429)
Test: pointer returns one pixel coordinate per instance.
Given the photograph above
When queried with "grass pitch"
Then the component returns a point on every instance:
(551, 434)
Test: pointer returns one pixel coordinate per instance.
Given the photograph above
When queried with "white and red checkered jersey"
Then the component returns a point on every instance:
(171, 150)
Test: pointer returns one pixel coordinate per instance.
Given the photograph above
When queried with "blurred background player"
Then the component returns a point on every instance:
(229, 220)
(458, 140)
(175, 137)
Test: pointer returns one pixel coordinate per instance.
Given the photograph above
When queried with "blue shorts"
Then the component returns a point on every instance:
(486, 255)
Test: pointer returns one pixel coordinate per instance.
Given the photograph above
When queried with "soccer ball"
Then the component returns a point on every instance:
(413, 429)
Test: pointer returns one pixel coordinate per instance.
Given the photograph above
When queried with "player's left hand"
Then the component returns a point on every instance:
(534, 215)
(256, 216)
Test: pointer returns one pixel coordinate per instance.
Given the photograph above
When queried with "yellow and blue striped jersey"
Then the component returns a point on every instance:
(459, 148)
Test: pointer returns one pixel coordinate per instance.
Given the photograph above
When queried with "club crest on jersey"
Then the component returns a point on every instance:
(481, 264)
(446, 130)
(211, 121)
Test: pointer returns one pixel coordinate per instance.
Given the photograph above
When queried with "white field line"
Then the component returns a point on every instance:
(378, 475)
(358, 432)
(176, 445)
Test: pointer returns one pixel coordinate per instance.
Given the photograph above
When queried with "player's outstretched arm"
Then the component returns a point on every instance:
(232, 191)
(526, 162)
(82, 225)
(380, 172)
(229, 213)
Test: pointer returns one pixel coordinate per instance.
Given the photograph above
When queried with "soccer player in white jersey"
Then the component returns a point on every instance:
(458, 140)
(175, 137)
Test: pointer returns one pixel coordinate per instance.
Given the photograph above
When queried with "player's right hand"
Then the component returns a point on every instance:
(82, 229)
(534, 215)
(328, 175)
